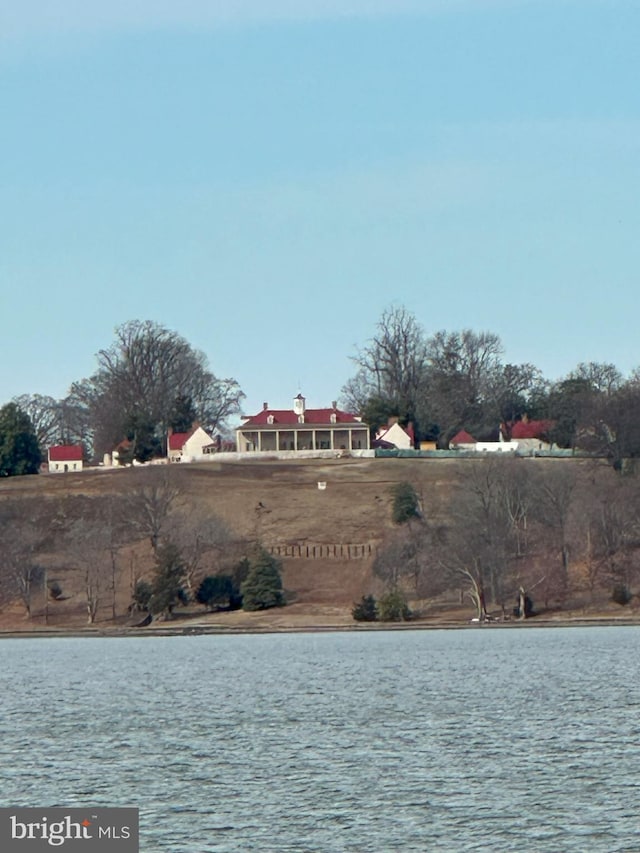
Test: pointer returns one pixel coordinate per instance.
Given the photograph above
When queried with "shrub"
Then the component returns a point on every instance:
(405, 503)
(142, 595)
(55, 590)
(393, 607)
(621, 594)
(365, 610)
(215, 590)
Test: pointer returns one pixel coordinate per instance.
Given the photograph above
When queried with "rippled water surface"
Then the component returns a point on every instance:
(486, 739)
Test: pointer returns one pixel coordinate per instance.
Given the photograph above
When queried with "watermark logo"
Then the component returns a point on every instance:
(69, 830)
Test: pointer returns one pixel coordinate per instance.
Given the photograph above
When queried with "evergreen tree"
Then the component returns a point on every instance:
(392, 607)
(143, 433)
(366, 610)
(19, 450)
(142, 595)
(405, 503)
(167, 587)
(263, 587)
(183, 414)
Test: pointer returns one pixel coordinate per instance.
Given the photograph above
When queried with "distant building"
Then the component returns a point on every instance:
(496, 446)
(65, 457)
(462, 441)
(524, 437)
(300, 429)
(532, 435)
(187, 446)
(395, 436)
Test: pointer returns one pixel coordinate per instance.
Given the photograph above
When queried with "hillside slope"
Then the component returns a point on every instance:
(326, 537)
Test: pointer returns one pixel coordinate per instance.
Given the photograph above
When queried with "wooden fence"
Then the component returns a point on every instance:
(324, 552)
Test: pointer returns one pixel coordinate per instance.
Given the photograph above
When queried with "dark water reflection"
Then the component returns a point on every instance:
(474, 740)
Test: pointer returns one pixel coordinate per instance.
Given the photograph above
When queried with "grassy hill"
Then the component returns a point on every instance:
(327, 537)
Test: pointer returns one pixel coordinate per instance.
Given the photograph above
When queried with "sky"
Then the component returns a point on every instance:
(266, 177)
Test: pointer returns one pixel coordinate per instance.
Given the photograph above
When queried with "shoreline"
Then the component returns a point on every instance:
(177, 630)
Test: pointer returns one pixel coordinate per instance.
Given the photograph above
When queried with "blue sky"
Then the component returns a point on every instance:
(266, 177)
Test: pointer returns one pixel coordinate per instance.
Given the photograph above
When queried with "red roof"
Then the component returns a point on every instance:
(462, 437)
(311, 416)
(66, 453)
(530, 429)
(177, 440)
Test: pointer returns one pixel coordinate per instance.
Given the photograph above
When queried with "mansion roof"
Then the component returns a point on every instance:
(287, 417)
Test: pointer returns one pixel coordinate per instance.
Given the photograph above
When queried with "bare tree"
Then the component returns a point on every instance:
(614, 531)
(465, 566)
(141, 375)
(402, 555)
(508, 393)
(200, 539)
(613, 425)
(24, 530)
(462, 369)
(604, 378)
(487, 533)
(45, 415)
(392, 363)
(516, 492)
(149, 505)
(556, 490)
(486, 508)
(88, 549)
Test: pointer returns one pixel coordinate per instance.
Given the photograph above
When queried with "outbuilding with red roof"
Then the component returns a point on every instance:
(189, 446)
(65, 457)
(462, 441)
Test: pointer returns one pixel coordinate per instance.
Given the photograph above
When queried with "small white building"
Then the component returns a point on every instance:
(462, 441)
(496, 446)
(65, 457)
(394, 435)
(189, 446)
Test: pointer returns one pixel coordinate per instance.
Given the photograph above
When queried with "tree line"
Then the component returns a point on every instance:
(447, 381)
(149, 380)
(565, 533)
(148, 540)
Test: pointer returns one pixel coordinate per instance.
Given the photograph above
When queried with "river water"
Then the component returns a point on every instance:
(482, 739)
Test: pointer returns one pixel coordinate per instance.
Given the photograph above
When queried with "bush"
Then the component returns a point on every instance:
(366, 610)
(405, 503)
(393, 607)
(621, 595)
(55, 590)
(263, 587)
(215, 590)
(142, 595)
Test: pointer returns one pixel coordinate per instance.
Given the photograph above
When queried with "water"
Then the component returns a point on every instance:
(523, 740)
